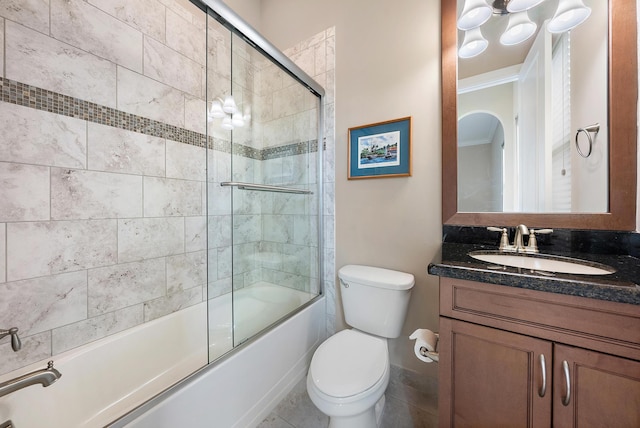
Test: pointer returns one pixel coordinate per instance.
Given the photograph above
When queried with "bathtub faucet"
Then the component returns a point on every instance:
(44, 377)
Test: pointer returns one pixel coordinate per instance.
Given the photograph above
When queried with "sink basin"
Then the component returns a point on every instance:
(543, 262)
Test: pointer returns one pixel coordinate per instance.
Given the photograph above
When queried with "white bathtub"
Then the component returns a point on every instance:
(108, 378)
(240, 391)
(103, 380)
(254, 308)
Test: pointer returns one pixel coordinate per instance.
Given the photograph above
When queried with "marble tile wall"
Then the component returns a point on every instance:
(277, 233)
(102, 169)
(286, 119)
(285, 130)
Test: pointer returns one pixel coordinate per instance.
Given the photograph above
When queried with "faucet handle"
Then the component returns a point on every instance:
(532, 245)
(542, 231)
(16, 344)
(504, 238)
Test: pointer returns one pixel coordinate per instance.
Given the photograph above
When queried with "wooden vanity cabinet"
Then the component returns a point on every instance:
(506, 354)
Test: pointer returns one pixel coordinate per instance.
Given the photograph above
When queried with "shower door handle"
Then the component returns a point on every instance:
(264, 187)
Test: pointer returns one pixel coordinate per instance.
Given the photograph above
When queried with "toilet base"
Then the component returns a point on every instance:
(368, 419)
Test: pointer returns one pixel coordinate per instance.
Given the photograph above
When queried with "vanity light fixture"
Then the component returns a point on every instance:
(474, 14)
(473, 45)
(519, 29)
(570, 14)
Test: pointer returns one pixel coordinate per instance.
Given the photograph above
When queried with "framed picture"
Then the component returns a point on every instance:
(380, 150)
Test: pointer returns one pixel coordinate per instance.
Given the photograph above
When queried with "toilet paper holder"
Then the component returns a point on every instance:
(426, 345)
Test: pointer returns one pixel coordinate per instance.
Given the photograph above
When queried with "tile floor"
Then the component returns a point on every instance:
(411, 402)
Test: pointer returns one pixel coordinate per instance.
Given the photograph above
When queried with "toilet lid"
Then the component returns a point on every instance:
(349, 363)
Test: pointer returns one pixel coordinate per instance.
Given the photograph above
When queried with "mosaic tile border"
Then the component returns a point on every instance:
(290, 150)
(25, 95)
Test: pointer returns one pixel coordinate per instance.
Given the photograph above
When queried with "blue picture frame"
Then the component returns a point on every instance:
(380, 150)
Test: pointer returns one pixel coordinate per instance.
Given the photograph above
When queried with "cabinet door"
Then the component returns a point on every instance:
(604, 391)
(492, 378)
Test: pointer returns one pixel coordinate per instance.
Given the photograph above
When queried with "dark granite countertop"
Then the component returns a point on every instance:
(622, 286)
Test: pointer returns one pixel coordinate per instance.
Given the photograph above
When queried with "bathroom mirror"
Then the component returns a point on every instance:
(617, 211)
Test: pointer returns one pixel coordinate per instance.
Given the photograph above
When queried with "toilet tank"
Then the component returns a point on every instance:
(375, 300)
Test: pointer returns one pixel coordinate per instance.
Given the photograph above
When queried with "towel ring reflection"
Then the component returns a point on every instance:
(587, 131)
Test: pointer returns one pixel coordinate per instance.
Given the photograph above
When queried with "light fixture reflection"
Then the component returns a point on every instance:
(569, 15)
(519, 29)
(228, 111)
(522, 5)
(229, 105)
(474, 14)
(216, 111)
(474, 44)
(237, 119)
(226, 123)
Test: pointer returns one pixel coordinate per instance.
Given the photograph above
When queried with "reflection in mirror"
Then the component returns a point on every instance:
(544, 84)
(480, 163)
(620, 130)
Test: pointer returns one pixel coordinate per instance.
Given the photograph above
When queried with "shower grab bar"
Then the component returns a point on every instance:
(264, 187)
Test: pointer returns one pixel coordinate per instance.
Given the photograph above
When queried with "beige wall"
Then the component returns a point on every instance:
(387, 67)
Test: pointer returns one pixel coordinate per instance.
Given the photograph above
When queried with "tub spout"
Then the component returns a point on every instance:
(44, 377)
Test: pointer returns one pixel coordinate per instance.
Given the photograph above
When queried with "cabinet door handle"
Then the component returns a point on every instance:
(567, 381)
(543, 388)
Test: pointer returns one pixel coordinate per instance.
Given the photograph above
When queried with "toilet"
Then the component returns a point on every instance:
(349, 371)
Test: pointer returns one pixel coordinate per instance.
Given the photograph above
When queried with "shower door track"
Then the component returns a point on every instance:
(264, 187)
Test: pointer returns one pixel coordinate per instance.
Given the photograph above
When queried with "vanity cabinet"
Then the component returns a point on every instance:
(506, 355)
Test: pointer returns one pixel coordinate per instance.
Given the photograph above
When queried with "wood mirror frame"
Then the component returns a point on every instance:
(623, 99)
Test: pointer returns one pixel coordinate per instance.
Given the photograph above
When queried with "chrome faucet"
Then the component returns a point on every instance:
(44, 377)
(518, 242)
(15, 340)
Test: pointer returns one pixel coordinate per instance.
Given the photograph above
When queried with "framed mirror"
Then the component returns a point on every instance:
(514, 199)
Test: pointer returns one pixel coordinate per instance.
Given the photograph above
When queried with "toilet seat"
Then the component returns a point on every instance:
(349, 363)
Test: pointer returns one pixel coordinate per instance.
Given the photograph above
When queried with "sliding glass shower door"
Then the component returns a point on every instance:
(263, 191)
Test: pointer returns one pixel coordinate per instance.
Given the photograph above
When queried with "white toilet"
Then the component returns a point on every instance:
(349, 371)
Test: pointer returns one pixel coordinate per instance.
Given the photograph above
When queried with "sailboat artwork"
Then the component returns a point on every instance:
(379, 150)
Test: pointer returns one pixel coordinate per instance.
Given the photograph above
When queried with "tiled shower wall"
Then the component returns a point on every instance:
(275, 234)
(102, 168)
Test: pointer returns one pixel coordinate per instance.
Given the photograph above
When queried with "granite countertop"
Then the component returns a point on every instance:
(622, 286)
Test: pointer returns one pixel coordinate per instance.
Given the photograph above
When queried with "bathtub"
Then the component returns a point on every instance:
(110, 380)
(107, 378)
(239, 391)
(253, 309)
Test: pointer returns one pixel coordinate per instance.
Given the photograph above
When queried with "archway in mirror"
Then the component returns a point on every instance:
(480, 163)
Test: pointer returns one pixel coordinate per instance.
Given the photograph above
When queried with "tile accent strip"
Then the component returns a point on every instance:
(25, 95)
(290, 150)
